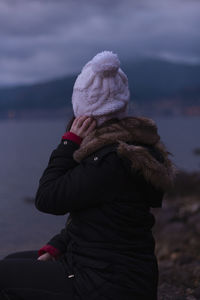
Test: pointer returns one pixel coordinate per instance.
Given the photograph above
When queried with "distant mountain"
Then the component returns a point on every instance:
(51, 94)
(149, 80)
(156, 79)
(190, 95)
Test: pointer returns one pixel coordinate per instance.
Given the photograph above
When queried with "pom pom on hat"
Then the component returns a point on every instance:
(105, 61)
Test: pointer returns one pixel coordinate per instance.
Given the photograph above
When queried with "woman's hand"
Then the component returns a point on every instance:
(83, 125)
(45, 257)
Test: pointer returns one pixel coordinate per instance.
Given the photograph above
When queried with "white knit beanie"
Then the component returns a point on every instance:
(101, 89)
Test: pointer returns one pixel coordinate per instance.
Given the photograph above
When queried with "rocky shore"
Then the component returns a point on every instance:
(177, 235)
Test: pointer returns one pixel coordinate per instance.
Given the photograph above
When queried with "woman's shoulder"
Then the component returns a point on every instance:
(100, 154)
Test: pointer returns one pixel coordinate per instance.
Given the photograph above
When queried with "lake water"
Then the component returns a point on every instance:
(24, 153)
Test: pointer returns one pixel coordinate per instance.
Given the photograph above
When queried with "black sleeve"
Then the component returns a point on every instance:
(60, 240)
(67, 185)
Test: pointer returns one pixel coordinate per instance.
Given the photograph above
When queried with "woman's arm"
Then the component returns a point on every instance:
(81, 127)
(57, 245)
(67, 185)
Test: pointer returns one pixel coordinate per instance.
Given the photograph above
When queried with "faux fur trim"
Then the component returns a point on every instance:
(140, 130)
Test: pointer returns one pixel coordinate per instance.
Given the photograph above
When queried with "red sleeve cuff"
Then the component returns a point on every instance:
(73, 137)
(50, 249)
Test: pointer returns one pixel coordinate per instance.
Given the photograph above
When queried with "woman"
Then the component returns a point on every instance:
(107, 172)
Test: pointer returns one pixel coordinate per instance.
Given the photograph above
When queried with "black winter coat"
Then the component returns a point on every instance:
(108, 185)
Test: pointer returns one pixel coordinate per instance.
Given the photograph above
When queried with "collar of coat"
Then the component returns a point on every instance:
(141, 131)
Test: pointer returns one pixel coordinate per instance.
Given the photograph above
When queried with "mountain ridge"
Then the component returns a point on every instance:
(149, 80)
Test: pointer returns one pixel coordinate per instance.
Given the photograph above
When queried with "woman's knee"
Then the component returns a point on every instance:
(12, 255)
(31, 254)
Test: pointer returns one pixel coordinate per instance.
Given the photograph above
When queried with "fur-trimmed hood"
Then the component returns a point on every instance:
(141, 131)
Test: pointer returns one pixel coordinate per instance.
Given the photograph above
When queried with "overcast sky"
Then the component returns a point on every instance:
(44, 39)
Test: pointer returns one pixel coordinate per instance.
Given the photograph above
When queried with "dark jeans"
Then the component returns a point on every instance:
(23, 277)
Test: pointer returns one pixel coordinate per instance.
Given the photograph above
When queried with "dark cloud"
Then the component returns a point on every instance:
(46, 39)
